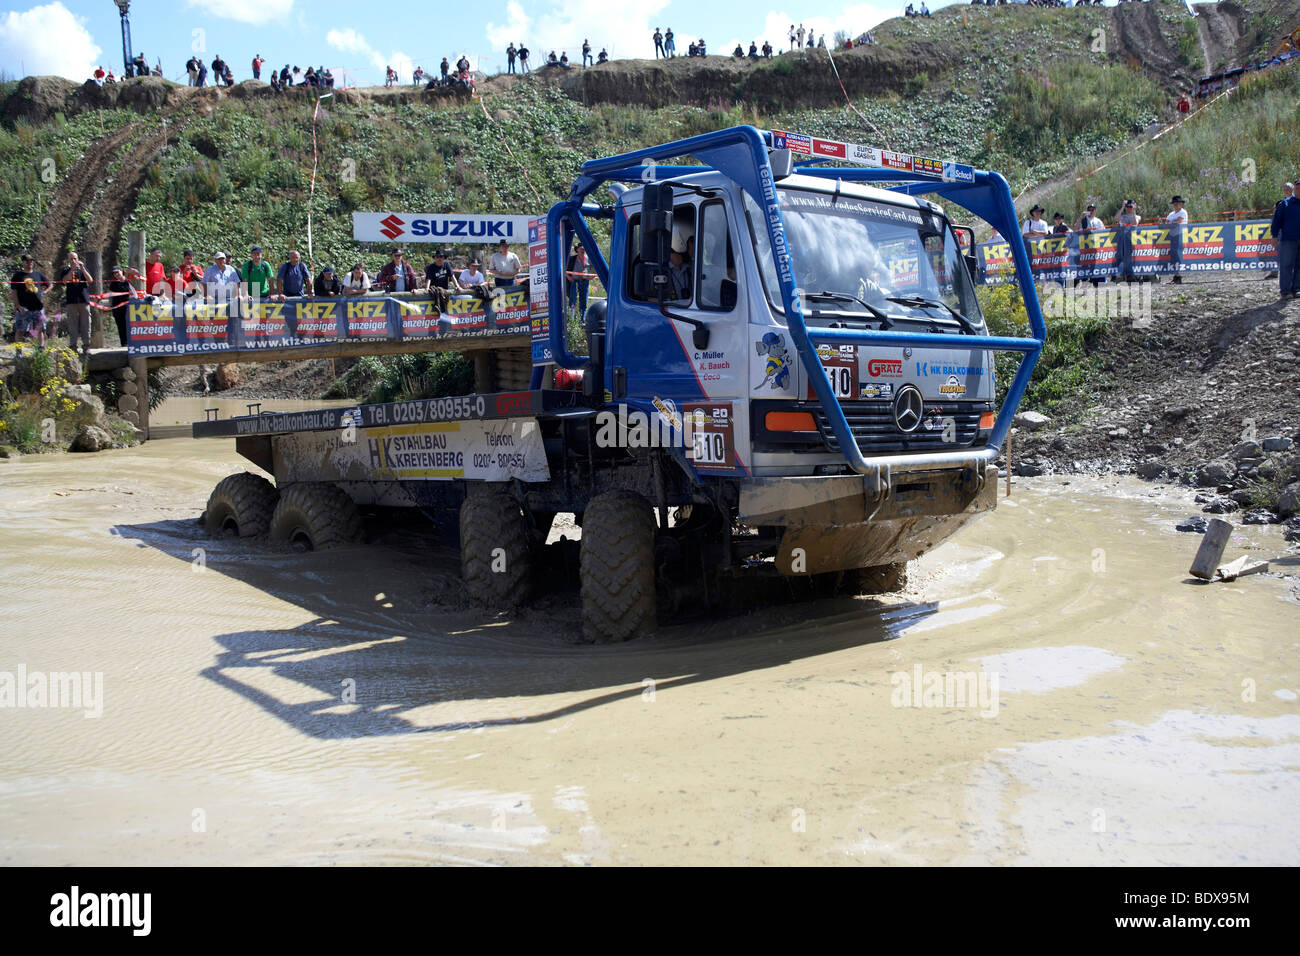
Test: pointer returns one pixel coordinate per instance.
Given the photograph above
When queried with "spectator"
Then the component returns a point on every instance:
(792, 43)
(141, 64)
(293, 280)
(925, 11)
(699, 44)
(579, 279)
(1285, 228)
(603, 56)
(799, 34)
(257, 66)
(472, 280)
(99, 76)
(286, 78)
(767, 50)
(510, 57)
(821, 42)
(738, 52)
(1059, 228)
(357, 282)
(418, 76)
(523, 58)
(327, 284)
(256, 274)
(462, 65)
(390, 76)
(1035, 226)
(29, 288)
(275, 82)
(1184, 106)
(753, 50)
(1089, 220)
(328, 75)
(504, 265)
(218, 69)
(220, 279)
(670, 45)
(200, 80)
(397, 275)
(310, 77)
(659, 43)
(1128, 217)
(810, 39)
(191, 69)
(440, 280)
(297, 79)
(76, 297)
(118, 299)
(187, 279)
(155, 274)
(586, 52)
(552, 60)
(1288, 190)
(444, 69)
(564, 59)
(228, 76)
(1177, 221)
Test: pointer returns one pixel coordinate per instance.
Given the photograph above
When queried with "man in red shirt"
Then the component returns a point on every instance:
(257, 66)
(155, 274)
(187, 278)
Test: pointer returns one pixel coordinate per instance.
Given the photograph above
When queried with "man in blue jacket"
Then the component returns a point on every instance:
(1286, 230)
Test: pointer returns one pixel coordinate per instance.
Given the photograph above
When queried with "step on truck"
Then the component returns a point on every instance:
(790, 376)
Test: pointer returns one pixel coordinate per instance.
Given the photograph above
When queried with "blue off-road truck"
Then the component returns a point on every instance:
(790, 376)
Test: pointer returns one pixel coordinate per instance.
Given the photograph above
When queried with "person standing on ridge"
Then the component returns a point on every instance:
(586, 53)
(257, 66)
(659, 43)
(510, 57)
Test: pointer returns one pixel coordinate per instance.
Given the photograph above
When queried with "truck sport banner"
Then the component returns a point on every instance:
(447, 228)
(167, 327)
(1149, 249)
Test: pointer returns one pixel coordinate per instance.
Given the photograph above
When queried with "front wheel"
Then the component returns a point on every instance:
(496, 552)
(879, 579)
(242, 505)
(617, 567)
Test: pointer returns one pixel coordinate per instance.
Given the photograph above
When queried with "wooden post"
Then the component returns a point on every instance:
(140, 365)
(1211, 549)
(1008, 464)
(483, 383)
(95, 266)
(135, 255)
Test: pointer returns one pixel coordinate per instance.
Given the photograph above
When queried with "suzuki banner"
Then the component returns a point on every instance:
(449, 228)
(164, 327)
(1149, 249)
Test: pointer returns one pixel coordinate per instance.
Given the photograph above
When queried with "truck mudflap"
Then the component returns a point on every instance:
(838, 522)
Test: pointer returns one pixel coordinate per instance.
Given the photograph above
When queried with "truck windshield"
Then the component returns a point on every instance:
(862, 256)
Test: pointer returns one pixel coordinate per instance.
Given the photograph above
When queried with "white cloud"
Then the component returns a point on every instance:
(48, 40)
(245, 11)
(350, 41)
(562, 26)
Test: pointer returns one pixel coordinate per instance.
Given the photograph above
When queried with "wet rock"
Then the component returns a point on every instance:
(1291, 529)
(1277, 444)
(1259, 516)
(91, 438)
(1212, 474)
(1031, 421)
(1028, 468)
(1219, 506)
(1242, 496)
(1150, 470)
(1247, 449)
(1288, 503)
(1194, 523)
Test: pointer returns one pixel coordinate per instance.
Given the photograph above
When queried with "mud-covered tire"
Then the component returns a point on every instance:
(496, 552)
(241, 504)
(617, 567)
(314, 515)
(879, 579)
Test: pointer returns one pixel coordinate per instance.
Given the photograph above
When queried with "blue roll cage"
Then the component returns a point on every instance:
(742, 154)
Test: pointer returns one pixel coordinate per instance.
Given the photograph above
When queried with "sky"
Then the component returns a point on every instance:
(69, 37)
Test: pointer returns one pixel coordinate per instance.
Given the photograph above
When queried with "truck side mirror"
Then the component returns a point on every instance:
(966, 247)
(656, 238)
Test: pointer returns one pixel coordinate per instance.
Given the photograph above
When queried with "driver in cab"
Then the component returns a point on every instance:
(680, 257)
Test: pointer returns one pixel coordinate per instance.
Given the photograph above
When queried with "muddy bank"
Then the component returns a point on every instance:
(341, 707)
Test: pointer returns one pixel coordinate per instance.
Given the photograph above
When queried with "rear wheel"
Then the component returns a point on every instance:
(496, 554)
(313, 515)
(879, 579)
(242, 505)
(618, 567)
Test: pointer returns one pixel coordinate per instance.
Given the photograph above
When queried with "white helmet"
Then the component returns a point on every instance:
(682, 234)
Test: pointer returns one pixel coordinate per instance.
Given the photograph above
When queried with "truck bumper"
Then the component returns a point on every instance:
(838, 522)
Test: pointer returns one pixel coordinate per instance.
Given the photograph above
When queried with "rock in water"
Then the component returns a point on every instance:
(91, 438)
(227, 376)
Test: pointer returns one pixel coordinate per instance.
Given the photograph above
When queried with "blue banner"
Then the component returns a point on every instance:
(175, 327)
(1155, 248)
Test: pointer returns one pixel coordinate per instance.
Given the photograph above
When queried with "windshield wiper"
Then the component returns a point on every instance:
(918, 300)
(885, 320)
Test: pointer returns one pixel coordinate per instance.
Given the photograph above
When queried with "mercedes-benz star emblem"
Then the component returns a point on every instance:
(909, 406)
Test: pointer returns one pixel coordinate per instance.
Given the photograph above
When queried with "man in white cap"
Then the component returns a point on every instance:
(1176, 221)
(220, 279)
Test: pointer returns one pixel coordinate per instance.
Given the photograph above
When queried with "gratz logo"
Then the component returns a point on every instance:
(513, 402)
(392, 226)
(885, 368)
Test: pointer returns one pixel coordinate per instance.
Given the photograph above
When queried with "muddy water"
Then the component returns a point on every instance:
(1136, 719)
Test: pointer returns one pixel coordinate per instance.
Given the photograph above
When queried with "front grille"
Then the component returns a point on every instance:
(872, 424)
